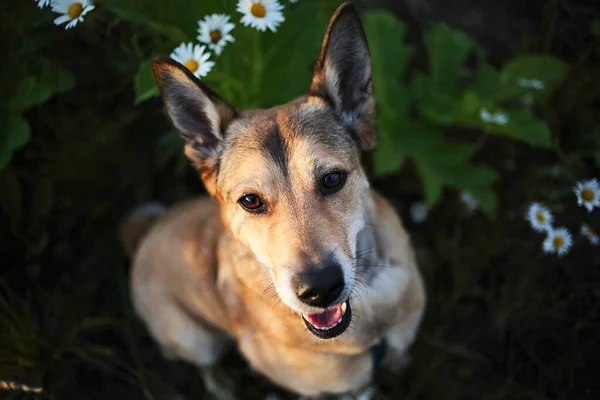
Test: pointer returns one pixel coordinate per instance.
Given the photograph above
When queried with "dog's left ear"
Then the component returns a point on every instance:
(342, 75)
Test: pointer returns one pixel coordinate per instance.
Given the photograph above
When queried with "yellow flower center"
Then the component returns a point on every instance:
(75, 10)
(258, 10)
(587, 194)
(192, 65)
(589, 232)
(215, 36)
(558, 242)
(540, 216)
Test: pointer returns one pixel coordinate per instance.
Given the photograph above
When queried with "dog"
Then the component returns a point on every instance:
(293, 255)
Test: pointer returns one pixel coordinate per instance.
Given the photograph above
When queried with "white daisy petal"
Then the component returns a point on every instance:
(61, 20)
(558, 241)
(214, 30)
(589, 234)
(418, 212)
(72, 23)
(261, 14)
(588, 194)
(539, 217)
(470, 203)
(194, 58)
(72, 11)
(496, 118)
(42, 3)
(530, 83)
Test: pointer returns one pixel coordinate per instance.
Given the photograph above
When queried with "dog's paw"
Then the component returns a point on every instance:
(366, 393)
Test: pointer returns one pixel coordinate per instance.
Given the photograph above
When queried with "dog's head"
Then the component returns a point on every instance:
(289, 178)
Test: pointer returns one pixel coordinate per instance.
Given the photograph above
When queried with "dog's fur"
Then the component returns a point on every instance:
(208, 271)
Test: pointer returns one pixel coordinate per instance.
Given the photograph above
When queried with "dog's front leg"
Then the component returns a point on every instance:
(401, 336)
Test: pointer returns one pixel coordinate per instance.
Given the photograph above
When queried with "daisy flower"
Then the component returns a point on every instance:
(558, 241)
(589, 233)
(72, 11)
(418, 212)
(530, 83)
(42, 3)
(492, 118)
(470, 203)
(214, 30)
(588, 194)
(539, 217)
(193, 58)
(261, 14)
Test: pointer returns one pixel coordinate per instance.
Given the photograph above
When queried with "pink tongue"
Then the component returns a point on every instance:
(326, 318)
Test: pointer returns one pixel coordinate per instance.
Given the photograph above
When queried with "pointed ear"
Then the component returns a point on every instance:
(198, 113)
(342, 75)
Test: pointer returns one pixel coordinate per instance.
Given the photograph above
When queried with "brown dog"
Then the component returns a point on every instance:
(298, 260)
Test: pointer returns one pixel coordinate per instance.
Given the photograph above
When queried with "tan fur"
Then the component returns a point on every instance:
(177, 260)
(209, 271)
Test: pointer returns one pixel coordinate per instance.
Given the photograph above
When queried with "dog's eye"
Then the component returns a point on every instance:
(251, 202)
(333, 182)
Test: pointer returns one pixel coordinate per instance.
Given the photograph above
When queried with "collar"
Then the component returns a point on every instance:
(378, 352)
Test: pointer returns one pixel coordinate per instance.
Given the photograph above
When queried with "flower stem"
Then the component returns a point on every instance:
(257, 69)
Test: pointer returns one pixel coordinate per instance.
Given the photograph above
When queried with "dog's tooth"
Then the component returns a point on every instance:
(344, 306)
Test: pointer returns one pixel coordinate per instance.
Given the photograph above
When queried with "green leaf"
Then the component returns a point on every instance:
(435, 105)
(288, 58)
(442, 162)
(486, 80)
(18, 132)
(536, 74)
(437, 93)
(45, 81)
(28, 94)
(520, 124)
(431, 181)
(390, 57)
(145, 83)
(487, 199)
(388, 157)
(447, 50)
(175, 19)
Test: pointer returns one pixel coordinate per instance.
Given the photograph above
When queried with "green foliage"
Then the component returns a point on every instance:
(450, 95)
(145, 83)
(35, 85)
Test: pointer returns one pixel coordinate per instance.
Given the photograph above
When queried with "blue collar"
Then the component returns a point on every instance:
(378, 352)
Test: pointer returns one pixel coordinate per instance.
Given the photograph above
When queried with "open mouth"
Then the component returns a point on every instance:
(330, 323)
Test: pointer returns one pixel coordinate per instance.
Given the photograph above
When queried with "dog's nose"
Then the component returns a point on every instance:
(320, 287)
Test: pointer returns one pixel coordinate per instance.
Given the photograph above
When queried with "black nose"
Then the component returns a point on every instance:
(319, 287)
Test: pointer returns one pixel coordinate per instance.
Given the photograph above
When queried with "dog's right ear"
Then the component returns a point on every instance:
(198, 113)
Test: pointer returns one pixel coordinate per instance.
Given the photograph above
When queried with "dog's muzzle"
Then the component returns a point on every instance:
(321, 286)
(330, 323)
